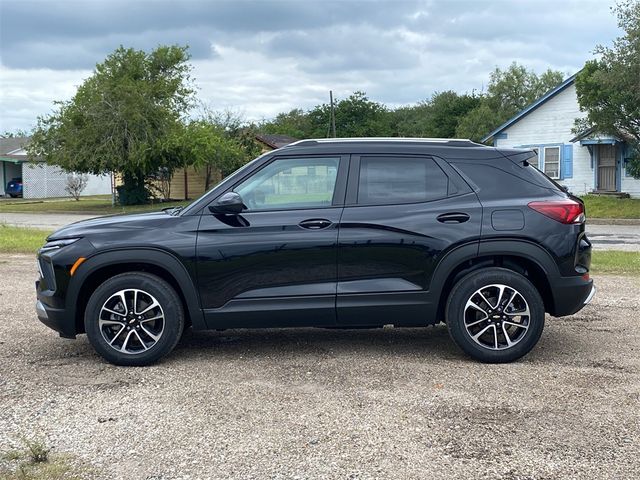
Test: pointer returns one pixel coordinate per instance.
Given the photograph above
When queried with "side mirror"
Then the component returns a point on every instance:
(229, 204)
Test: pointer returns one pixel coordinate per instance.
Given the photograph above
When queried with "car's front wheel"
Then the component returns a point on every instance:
(134, 319)
(495, 315)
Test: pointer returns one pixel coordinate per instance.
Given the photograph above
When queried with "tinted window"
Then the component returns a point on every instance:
(291, 183)
(391, 180)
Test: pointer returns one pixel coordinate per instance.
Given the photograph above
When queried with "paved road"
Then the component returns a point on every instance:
(604, 237)
(615, 237)
(46, 221)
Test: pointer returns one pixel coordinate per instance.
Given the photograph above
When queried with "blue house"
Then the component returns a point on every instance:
(584, 163)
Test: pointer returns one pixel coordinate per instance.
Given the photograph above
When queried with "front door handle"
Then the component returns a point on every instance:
(315, 223)
(453, 217)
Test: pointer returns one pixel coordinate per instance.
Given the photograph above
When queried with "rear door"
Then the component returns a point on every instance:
(402, 214)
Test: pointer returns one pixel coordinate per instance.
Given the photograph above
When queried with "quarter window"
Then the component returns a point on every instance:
(552, 161)
(393, 180)
(535, 161)
(291, 183)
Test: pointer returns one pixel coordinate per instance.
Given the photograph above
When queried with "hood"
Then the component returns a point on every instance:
(110, 224)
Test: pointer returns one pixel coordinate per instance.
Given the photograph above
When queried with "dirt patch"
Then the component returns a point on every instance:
(280, 404)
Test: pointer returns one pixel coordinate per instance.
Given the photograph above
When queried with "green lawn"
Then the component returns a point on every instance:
(29, 240)
(21, 240)
(615, 262)
(93, 205)
(610, 207)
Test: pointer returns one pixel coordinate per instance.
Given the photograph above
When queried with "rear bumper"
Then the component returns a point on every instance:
(571, 294)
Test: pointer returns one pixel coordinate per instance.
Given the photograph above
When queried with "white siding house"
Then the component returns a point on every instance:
(584, 163)
(40, 180)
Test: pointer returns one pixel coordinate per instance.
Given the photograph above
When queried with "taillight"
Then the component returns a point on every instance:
(563, 211)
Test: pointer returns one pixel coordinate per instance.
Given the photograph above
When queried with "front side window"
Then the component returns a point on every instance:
(394, 180)
(552, 161)
(291, 183)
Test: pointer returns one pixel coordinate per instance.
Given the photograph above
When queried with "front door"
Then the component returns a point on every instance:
(606, 168)
(275, 263)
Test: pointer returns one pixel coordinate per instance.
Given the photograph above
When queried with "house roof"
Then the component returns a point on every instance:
(12, 144)
(275, 141)
(525, 111)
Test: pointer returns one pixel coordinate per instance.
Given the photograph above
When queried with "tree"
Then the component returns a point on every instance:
(117, 117)
(75, 185)
(295, 123)
(356, 116)
(608, 88)
(508, 92)
(447, 110)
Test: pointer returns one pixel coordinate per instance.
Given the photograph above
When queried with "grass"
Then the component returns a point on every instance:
(93, 205)
(600, 206)
(20, 239)
(34, 462)
(615, 262)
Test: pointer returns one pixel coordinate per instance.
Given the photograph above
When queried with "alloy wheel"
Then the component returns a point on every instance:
(131, 321)
(496, 317)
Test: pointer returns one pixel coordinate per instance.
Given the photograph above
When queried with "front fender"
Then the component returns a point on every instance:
(152, 256)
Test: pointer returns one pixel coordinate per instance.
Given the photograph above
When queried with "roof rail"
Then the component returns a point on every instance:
(451, 142)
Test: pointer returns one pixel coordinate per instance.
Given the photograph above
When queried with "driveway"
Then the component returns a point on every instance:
(45, 221)
(330, 404)
(603, 237)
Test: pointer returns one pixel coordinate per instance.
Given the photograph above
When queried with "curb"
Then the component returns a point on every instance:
(613, 221)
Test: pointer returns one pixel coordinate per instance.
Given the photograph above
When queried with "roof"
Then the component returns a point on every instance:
(524, 112)
(441, 142)
(12, 144)
(275, 141)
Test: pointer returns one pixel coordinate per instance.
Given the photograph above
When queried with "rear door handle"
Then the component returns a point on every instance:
(315, 223)
(453, 217)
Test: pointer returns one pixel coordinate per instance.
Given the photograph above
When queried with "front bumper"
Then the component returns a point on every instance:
(570, 295)
(54, 318)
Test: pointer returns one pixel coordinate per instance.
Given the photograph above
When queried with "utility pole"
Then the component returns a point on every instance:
(333, 115)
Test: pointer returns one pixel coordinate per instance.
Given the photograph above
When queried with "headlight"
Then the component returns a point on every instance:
(56, 244)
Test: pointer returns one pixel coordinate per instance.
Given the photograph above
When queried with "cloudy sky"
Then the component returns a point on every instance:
(263, 57)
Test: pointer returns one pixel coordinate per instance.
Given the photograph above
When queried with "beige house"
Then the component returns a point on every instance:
(190, 183)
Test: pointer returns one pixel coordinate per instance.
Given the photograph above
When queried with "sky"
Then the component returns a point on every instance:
(259, 58)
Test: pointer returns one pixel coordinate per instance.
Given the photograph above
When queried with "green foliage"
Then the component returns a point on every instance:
(356, 116)
(114, 122)
(608, 87)
(508, 92)
(477, 123)
(446, 111)
(511, 90)
(38, 451)
(295, 123)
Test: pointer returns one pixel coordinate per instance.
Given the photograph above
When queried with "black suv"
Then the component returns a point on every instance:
(333, 233)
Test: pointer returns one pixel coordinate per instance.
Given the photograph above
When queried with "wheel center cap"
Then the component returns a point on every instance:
(496, 317)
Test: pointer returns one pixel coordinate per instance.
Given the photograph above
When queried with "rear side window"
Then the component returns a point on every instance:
(391, 180)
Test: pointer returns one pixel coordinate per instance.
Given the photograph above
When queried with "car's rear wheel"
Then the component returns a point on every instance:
(134, 319)
(495, 315)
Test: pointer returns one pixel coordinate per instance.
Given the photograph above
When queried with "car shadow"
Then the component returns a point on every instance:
(410, 342)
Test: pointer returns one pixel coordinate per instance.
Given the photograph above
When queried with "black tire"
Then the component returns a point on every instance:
(461, 316)
(149, 287)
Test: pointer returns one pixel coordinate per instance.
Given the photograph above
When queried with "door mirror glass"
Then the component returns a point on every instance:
(230, 204)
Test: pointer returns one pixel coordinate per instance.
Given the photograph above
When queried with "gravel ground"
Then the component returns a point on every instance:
(309, 404)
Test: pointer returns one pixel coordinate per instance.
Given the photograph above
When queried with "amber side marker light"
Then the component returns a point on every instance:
(76, 265)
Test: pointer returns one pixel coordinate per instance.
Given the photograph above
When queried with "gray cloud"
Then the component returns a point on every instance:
(262, 57)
